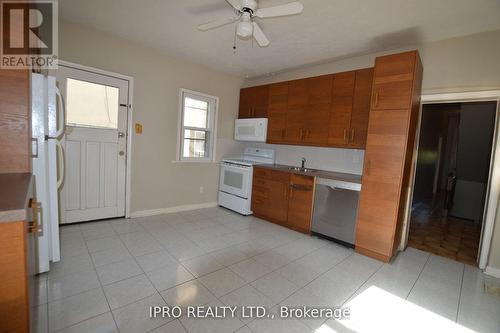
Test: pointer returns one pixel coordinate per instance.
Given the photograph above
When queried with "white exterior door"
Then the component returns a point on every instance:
(95, 145)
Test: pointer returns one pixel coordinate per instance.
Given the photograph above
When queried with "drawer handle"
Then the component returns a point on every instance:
(352, 135)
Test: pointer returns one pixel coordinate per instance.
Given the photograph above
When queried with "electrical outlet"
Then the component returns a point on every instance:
(202, 189)
(138, 128)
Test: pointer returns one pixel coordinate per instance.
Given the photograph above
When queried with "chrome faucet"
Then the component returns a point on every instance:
(303, 163)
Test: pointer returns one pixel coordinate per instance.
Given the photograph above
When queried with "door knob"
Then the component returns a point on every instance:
(121, 153)
(121, 134)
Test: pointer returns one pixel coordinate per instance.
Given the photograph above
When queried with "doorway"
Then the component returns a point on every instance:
(95, 144)
(451, 179)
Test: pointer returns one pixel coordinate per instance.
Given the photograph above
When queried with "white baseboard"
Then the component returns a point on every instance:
(152, 212)
(492, 271)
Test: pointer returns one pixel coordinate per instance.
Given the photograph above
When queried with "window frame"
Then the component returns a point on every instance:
(213, 106)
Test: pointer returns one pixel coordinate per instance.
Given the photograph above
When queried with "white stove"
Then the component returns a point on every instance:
(235, 185)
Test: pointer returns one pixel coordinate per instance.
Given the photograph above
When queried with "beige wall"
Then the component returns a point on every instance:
(470, 63)
(157, 182)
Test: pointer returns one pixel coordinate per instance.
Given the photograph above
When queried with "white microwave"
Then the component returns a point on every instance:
(252, 129)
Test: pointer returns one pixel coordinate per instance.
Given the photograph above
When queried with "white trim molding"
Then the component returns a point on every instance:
(492, 271)
(493, 190)
(176, 209)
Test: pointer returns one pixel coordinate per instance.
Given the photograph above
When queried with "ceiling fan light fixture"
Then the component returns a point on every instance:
(244, 29)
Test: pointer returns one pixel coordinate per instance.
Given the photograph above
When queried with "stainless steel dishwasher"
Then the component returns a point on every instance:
(335, 210)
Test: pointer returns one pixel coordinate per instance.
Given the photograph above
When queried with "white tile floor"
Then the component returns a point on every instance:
(112, 271)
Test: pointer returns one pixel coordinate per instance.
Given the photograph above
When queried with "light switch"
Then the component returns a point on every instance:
(138, 128)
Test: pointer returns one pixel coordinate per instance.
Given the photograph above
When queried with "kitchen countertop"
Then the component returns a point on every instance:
(345, 177)
(14, 189)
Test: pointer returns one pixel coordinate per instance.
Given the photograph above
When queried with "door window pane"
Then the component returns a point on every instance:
(91, 105)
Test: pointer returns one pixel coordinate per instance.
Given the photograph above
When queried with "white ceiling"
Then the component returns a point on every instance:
(326, 30)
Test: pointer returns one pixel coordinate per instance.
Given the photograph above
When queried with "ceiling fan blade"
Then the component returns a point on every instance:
(291, 8)
(235, 3)
(217, 23)
(259, 36)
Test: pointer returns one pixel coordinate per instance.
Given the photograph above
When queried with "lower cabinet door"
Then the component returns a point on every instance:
(300, 203)
(270, 200)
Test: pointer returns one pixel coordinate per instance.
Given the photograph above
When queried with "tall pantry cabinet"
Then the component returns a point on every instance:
(395, 105)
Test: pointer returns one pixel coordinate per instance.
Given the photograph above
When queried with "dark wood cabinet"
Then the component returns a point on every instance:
(361, 108)
(283, 198)
(270, 195)
(254, 102)
(341, 110)
(300, 202)
(276, 112)
(317, 112)
(389, 151)
(323, 111)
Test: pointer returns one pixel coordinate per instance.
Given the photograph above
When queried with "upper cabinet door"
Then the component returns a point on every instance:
(317, 116)
(297, 104)
(254, 102)
(278, 98)
(246, 96)
(361, 108)
(341, 109)
(393, 83)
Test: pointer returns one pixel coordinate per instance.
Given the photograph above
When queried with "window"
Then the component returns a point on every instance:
(91, 104)
(197, 126)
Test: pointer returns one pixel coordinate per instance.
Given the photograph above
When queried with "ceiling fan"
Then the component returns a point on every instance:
(246, 11)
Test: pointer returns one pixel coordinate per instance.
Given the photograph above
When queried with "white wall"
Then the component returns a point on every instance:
(157, 182)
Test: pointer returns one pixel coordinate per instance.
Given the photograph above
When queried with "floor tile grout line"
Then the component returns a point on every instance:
(419, 275)
(460, 294)
(361, 286)
(102, 290)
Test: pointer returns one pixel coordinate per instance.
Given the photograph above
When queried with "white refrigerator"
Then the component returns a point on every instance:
(48, 121)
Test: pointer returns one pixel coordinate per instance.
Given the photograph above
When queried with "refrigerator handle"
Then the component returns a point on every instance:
(62, 114)
(60, 161)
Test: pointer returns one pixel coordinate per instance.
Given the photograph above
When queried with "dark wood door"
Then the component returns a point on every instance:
(393, 81)
(361, 108)
(260, 101)
(342, 104)
(300, 203)
(278, 98)
(246, 96)
(297, 104)
(385, 152)
(253, 102)
(317, 114)
(270, 195)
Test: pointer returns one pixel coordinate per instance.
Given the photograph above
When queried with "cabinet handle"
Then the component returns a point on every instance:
(345, 134)
(376, 99)
(352, 134)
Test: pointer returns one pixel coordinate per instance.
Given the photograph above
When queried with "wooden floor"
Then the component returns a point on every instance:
(444, 235)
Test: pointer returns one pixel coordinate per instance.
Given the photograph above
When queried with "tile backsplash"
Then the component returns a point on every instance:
(331, 159)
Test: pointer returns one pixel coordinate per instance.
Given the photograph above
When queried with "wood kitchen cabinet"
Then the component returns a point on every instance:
(276, 112)
(254, 102)
(15, 129)
(350, 108)
(323, 111)
(283, 198)
(317, 112)
(300, 202)
(18, 229)
(388, 156)
(270, 194)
